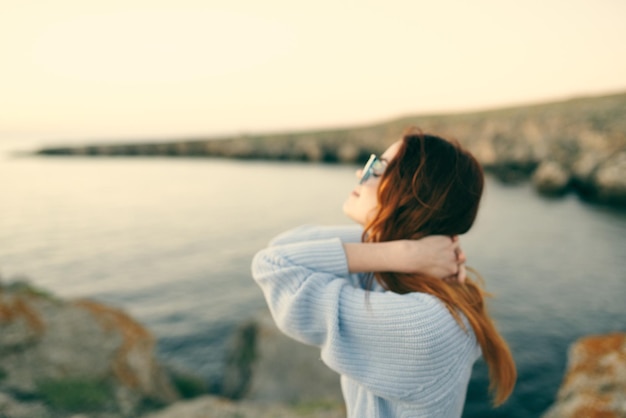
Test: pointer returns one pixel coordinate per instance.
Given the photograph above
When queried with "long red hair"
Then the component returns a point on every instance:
(433, 187)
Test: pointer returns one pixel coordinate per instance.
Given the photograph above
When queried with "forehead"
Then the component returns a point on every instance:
(391, 151)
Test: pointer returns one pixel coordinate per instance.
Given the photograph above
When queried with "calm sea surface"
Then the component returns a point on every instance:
(170, 241)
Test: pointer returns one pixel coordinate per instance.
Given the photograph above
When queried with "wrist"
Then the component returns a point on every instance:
(405, 256)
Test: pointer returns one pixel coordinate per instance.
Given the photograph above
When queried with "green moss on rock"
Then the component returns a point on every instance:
(75, 395)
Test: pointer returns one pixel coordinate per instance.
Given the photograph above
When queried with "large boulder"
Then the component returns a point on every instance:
(610, 180)
(265, 365)
(76, 355)
(551, 178)
(595, 380)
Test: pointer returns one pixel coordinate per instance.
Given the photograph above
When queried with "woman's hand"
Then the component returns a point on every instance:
(437, 256)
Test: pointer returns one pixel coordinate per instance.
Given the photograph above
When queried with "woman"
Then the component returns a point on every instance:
(388, 303)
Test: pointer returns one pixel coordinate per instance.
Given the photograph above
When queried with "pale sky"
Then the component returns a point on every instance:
(138, 68)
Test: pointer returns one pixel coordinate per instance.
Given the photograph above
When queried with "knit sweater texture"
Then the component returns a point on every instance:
(398, 355)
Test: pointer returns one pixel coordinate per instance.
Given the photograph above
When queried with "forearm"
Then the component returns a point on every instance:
(435, 256)
(374, 256)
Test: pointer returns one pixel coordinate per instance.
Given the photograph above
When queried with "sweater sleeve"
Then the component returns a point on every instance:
(398, 346)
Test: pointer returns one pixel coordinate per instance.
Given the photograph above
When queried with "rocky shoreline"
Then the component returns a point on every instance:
(577, 145)
(83, 359)
(80, 358)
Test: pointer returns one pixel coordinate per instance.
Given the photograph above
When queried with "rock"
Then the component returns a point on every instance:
(595, 380)
(267, 375)
(214, 407)
(484, 151)
(512, 172)
(610, 180)
(238, 371)
(584, 167)
(265, 365)
(601, 177)
(308, 151)
(77, 354)
(348, 153)
(9, 407)
(551, 178)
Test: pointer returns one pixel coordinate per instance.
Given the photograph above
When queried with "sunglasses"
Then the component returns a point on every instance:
(374, 166)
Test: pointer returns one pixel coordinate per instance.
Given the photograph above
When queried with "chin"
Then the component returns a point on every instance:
(348, 210)
(354, 218)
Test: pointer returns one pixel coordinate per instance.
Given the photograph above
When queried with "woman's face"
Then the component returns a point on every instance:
(361, 204)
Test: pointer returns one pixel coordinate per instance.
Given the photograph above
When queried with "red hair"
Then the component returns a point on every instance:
(433, 187)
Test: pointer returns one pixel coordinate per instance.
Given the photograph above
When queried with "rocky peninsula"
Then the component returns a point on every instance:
(577, 145)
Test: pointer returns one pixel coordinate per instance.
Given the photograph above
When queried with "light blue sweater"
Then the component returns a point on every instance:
(398, 355)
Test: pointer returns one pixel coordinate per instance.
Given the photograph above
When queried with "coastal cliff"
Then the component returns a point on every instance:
(575, 145)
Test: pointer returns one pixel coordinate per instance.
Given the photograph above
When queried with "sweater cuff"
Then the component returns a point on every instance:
(326, 256)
